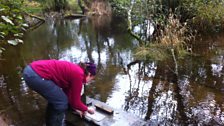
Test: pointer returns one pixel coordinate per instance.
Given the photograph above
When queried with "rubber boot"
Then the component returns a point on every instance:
(54, 117)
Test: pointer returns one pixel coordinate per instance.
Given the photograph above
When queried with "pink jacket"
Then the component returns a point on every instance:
(67, 75)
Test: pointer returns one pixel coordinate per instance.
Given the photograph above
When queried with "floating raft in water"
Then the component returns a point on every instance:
(107, 116)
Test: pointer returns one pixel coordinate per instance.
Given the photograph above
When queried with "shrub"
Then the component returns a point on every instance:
(207, 14)
(174, 37)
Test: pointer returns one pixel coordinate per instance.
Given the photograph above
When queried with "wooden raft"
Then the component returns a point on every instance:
(107, 116)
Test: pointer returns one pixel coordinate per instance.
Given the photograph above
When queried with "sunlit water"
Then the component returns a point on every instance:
(147, 90)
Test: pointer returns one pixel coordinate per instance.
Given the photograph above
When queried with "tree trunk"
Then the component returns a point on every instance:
(96, 7)
(81, 6)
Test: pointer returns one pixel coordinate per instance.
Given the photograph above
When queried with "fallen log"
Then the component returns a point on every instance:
(74, 16)
(35, 16)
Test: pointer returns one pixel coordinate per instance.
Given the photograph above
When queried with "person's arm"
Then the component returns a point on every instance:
(74, 94)
(76, 77)
(75, 99)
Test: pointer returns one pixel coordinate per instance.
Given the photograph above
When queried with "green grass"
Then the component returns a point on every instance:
(33, 7)
(34, 10)
(73, 6)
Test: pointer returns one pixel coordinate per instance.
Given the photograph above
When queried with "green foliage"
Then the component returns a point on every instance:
(153, 12)
(151, 51)
(73, 5)
(174, 37)
(53, 5)
(36, 10)
(207, 14)
(120, 7)
(173, 33)
(12, 24)
(33, 7)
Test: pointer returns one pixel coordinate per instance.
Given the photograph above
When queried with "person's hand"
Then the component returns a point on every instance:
(90, 110)
(80, 113)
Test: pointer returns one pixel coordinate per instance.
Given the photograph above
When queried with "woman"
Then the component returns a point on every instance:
(60, 83)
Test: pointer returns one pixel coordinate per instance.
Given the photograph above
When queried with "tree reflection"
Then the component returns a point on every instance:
(136, 98)
(17, 102)
(189, 91)
(173, 98)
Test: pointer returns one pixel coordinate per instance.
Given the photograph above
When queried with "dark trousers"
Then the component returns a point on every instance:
(57, 100)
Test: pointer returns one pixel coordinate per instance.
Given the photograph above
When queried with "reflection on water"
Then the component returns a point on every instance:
(149, 90)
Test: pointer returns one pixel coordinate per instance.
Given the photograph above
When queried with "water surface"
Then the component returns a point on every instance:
(149, 90)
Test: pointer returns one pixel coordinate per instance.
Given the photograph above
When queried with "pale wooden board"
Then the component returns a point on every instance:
(95, 117)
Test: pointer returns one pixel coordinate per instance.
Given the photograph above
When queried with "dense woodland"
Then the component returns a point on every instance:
(182, 20)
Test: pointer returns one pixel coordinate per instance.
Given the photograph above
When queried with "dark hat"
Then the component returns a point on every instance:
(91, 68)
